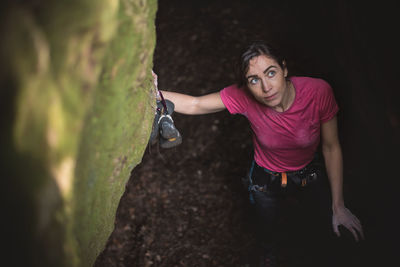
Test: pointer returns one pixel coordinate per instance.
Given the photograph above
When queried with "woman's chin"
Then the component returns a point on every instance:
(274, 103)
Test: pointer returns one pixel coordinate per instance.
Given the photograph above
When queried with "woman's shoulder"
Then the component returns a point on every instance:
(310, 86)
(309, 82)
(233, 87)
(235, 91)
(236, 99)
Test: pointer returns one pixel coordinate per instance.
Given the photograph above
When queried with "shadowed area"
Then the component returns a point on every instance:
(185, 206)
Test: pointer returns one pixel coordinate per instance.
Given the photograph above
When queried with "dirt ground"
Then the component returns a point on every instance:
(185, 206)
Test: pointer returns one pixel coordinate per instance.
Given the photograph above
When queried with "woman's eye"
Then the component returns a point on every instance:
(254, 81)
(271, 73)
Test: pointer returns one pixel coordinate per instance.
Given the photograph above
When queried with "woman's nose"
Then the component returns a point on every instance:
(265, 86)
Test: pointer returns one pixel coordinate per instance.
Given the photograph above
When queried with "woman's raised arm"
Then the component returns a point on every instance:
(195, 105)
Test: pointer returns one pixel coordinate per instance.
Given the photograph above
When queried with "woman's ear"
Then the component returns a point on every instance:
(285, 70)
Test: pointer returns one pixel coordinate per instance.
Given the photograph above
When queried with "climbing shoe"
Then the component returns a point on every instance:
(170, 136)
(170, 107)
(160, 111)
(171, 142)
(164, 126)
(167, 127)
(155, 129)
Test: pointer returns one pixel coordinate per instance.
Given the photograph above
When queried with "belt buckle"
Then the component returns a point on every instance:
(261, 188)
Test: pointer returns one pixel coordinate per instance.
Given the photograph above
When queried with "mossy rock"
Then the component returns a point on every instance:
(78, 102)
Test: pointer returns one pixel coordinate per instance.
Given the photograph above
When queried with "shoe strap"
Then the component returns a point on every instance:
(163, 102)
(163, 115)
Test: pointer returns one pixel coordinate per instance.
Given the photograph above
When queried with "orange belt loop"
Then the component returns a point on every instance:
(284, 179)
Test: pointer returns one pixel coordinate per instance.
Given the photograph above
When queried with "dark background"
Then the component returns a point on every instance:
(185, 206)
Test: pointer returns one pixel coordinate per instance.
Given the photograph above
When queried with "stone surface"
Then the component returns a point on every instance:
(77, 109)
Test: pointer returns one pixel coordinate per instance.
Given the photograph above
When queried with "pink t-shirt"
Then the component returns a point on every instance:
(285, 141)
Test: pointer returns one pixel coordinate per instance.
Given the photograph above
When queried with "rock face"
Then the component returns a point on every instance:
(77, 106)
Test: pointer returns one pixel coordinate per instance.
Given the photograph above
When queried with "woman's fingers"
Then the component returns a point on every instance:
(359, 229)
(354, 232)
(350, 222)
(336, 229)
(356, 229)
(356, 225)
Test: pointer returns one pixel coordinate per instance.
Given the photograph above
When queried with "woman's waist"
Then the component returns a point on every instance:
(287, 165)
(263, 176)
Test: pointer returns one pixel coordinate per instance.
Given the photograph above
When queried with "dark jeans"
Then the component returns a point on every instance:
(293, 221)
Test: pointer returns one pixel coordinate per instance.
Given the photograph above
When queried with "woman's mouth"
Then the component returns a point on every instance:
(271, 97)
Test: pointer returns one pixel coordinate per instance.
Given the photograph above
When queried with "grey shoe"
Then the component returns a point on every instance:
(171, 142)
(164, 126)
(155, 129)
(160, 111)
(167, 127)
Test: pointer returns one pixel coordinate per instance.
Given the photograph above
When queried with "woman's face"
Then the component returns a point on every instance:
(266, 81)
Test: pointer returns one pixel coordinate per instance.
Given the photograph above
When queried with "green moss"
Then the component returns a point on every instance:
(117, 130)
(83, 114)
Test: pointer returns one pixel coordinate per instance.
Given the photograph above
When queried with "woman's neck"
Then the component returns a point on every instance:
(288, 98)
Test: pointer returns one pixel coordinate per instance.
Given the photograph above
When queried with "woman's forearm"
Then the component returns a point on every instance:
(183, 103)
(194, 105)
(334, 168)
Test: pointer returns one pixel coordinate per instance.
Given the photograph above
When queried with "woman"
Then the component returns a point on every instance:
(289, 116)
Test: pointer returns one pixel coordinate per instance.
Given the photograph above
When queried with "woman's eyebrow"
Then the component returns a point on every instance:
(265, 71)
(251, 76)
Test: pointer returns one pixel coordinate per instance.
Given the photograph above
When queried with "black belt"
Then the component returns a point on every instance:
(301, 177)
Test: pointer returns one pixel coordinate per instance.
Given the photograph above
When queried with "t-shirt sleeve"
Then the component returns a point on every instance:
(235, 99)
(327, 104)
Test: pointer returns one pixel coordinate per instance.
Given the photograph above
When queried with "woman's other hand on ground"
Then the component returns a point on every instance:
(343, 216)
